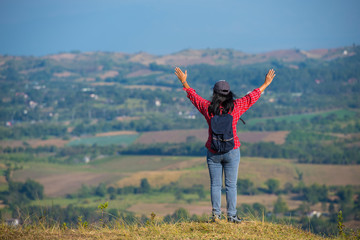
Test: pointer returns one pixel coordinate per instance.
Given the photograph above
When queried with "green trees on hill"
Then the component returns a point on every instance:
(273, 185)
(19, 194)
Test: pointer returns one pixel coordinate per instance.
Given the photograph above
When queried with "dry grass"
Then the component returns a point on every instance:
(154, 230)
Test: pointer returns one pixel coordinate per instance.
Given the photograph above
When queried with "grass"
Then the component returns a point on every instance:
(156, 230)
(105, 140)
(122, 202)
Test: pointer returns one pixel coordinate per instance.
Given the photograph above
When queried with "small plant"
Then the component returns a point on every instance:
(102, 207)
(82, 224)
(340, 224)
(79, 221)
(64, 226)
(152, 220)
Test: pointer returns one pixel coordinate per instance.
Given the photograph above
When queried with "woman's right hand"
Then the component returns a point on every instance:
(182, 77)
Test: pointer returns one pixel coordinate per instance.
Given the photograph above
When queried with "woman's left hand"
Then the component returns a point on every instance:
(182, 76)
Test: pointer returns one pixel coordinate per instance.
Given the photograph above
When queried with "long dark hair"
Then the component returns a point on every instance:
(225, 101)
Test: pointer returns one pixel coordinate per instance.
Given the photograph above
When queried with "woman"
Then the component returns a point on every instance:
(223, 102)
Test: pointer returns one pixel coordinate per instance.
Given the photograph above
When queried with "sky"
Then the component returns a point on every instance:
(42, 27)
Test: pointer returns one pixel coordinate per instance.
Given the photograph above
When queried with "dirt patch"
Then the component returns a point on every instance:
(339, 175)
(150, 87)
(58, 185)
(109, 74)
(277, 137)
(143, 57)
(184, 164)
(11, 143)
(155, 178)
(2, 180)
(115, 133)
(63, 74)
(62, 56)
(34, 143)
(48, 142)
(259, 170)
(121, 119)
(103, 84)
(141, 73)
(172, 136)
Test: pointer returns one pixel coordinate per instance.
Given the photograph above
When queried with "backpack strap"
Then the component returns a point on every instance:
(242, 121)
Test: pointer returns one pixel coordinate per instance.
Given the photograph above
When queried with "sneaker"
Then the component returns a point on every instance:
(215, 217)
(234, 219)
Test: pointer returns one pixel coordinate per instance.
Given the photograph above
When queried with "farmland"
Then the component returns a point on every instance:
(124, 171)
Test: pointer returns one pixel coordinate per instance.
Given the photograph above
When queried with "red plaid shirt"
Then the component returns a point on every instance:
(241, 105)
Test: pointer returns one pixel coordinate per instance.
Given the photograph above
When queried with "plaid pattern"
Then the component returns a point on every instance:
(241, 105)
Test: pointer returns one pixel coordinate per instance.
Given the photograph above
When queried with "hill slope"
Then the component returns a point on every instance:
(190, 230)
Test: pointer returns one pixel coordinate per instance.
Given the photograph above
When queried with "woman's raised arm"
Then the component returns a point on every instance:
(182, 77)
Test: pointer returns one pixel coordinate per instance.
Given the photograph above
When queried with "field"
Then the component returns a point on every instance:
(130, 137)
(34, 143)
(179, 136)
(120, 171)
(103, 140)
(308, 116)
(175, 136)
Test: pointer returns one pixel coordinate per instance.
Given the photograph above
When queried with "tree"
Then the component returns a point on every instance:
(144, 186)
(245, 186)
(84, 191)
(273, 185)
(33, 190)
(346, 194)
(181, 214)
(315, 193)
(280, 206)
(100, 190)
(259, 209)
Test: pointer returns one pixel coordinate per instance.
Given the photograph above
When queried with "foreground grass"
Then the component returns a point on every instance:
(183, 230)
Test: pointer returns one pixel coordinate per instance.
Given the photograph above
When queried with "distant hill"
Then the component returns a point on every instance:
(211, 56)
(101, 66)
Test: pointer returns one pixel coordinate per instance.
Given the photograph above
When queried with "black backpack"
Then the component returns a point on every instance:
(222, 133)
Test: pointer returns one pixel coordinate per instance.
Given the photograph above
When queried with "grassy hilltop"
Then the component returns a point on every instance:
(185, 230)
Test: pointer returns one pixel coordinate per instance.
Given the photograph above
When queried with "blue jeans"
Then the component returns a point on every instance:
(229, 164)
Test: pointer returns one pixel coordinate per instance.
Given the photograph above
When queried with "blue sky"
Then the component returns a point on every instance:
(41, 27)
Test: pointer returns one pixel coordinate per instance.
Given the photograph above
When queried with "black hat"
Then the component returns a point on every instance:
(222, 87)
